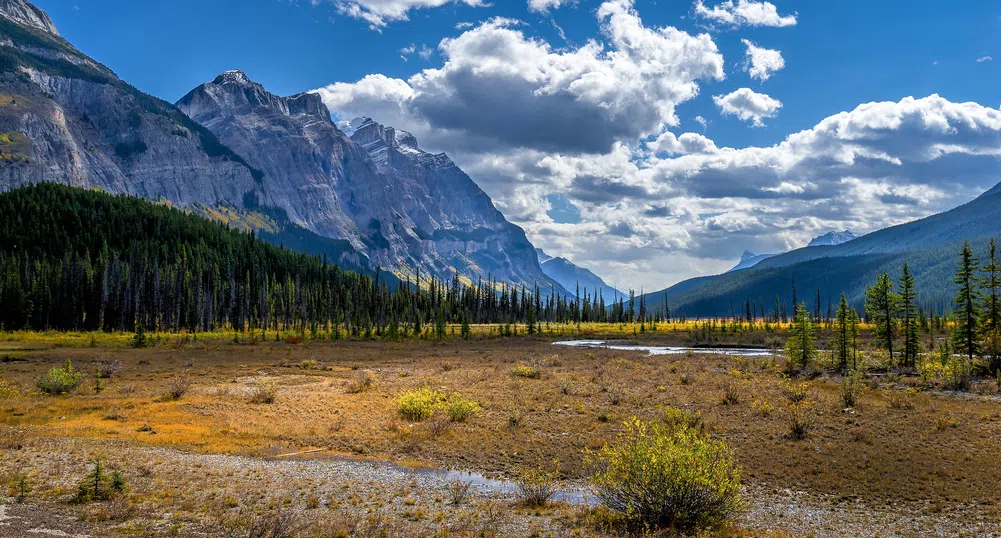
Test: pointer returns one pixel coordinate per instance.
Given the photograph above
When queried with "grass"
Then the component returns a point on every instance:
(920, 446)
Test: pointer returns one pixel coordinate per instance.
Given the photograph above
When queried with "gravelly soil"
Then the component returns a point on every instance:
(392, 490)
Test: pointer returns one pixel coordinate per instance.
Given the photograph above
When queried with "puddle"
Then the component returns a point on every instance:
(491, 486)
(667, 350)
(483, 485)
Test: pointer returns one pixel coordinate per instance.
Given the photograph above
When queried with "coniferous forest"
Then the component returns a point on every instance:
(72, 259)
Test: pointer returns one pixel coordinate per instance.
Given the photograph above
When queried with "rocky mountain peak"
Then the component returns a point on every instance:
(234, 90)
(831, 239)
(234, 76)
(27, 14)
(747, 255)
(372, 135)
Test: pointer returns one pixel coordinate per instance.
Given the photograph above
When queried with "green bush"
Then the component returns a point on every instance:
(60, 380)
(525, 371)
(668, 477)
(419, 404)
(460, 408)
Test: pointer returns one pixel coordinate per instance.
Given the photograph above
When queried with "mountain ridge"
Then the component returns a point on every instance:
(405, 210)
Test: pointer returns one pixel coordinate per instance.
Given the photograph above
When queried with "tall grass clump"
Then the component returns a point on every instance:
(60, 380)
(668, 477)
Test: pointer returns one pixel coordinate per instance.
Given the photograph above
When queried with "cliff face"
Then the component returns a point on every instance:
(369, 198)
(65, 118)
(372, 185)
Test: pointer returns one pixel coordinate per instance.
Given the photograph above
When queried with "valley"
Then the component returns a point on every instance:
(909, 456)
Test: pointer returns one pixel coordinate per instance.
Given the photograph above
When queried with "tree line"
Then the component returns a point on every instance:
(891, 308)
(72, 259)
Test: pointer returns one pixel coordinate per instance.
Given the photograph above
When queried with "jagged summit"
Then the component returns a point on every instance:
(234, 89)
(234, 76)
(831, 239)
(371, 135)
(747, 255)
(28, 14)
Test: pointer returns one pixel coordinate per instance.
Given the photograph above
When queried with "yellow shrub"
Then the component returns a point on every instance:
(666, 477)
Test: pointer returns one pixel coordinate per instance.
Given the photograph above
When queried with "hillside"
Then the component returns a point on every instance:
(572, 277)
(930, 246)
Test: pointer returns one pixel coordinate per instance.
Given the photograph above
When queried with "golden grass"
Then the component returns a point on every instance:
(934, 450)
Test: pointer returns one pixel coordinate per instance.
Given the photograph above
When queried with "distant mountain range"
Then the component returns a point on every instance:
(749, 259)
(367, 197)
(572, 276)
(930, 246)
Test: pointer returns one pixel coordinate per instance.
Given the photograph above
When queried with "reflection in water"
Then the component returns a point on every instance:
(665, 350)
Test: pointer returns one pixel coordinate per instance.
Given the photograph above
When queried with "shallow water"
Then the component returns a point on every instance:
(574, 494)
(667, 350)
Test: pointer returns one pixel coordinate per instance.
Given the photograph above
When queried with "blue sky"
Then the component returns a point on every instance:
(633, 196)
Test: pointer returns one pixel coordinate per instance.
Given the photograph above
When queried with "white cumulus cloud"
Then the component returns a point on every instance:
(762, 63)
(748, 105)
(379, 13)
(744, 13)
(545, 6)
(579, 99)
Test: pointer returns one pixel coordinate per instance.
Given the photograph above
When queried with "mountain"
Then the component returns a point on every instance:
(930, 246)
(831, 239)
(570, 276)
(375, 200)
(749, 259)
(369, 185)
(543, 257)
(68, 119)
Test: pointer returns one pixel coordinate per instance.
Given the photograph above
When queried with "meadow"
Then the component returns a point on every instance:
(223, 433)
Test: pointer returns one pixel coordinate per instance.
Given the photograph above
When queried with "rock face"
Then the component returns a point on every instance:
(28, 15)
(371, 185)
(831, 239)
(65, 118)
(571, 276)
(749, 259)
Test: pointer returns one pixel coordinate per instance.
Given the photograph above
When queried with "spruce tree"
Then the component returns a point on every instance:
(992, 311)
(908, 316)
(881, 309)
(966, 337)
(801, 348)
(842, 334)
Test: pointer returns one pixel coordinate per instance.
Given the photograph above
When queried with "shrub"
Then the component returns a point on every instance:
(460, 408)
(731, 394)
(536, 488)
(107, 369)
(418, 404)
(679, 418)
(668, 477)
(958, 374)
(529, 372)
(851, 389)
(762, 408)
(800, 421)
(177, 387)
(458, 492)
(795, 392)
(60, 380)
(264, 392)
(364, 382)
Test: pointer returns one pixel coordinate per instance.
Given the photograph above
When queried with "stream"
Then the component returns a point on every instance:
(667, 350)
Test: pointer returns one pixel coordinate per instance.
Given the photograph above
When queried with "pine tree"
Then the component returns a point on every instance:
(992, 311)
(842, 334)
(801, 347)
(881, 308)
(966, 337)
(907, 310)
